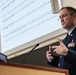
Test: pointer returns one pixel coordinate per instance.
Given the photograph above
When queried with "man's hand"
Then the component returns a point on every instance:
(48, 54)
(61, 49)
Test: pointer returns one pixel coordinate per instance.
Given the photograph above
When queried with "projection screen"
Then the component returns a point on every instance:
(24, 23)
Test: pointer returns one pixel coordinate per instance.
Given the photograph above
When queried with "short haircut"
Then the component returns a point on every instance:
(70, 9)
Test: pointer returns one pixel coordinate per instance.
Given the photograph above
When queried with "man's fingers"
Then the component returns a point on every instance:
(54, 47)
(60, 41)
(50, 48)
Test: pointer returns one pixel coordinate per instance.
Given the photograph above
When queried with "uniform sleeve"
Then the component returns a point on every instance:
(71, 56)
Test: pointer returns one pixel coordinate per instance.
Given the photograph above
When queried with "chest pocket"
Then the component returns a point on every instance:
(72, 43)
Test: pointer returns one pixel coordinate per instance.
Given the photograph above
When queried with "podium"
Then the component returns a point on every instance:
(7, 68)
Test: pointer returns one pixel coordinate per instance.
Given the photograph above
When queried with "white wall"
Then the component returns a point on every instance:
(69, 3)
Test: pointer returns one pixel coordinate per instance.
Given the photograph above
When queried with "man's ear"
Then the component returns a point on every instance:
(74, 16)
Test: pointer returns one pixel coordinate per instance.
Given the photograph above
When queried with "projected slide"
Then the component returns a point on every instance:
(23, 21)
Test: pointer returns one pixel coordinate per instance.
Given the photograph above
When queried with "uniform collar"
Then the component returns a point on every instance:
(71, 30)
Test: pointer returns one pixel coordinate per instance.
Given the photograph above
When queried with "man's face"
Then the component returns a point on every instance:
(67, 19)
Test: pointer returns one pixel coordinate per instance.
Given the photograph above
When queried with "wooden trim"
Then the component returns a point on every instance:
(13, 66)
